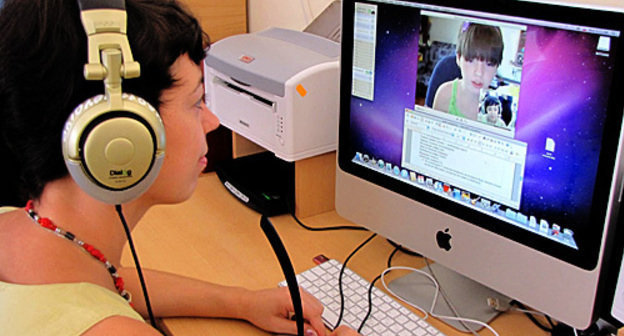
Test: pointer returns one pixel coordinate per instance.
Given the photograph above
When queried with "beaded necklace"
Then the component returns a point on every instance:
(95, 253)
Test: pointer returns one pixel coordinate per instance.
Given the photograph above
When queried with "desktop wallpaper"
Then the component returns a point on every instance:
(563, 97)
(377, 126)
(564, 93)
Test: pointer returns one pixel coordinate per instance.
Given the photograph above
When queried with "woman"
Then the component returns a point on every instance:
(48, 284)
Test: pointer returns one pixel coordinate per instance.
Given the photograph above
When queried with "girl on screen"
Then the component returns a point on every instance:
(479, 53)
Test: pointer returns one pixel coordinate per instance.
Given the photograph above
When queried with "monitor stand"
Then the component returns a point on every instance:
(469, 298)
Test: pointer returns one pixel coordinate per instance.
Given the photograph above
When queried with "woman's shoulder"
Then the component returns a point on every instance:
(4, 209)
(63, 308)
(20, 254)
(11, 237)
(120, 325)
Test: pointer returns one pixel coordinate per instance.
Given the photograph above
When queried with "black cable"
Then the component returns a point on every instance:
(396, 249)
(532, 318)
(287, 269)
(370, 302)
(328, 228)
(138, 266)
(550, 321)
(290, 206)
(370, 289)
(405, 250)
(344, 265)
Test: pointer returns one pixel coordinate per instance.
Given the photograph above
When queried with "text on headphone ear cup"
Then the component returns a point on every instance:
(118, 152)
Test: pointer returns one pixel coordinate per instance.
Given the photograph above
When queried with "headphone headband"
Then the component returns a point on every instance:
(104, 22)
(101, 4)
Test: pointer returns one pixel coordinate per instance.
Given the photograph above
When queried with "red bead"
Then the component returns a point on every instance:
(119, 283)
(29, 205)
(98, 255)
(46, 223)
(95, 252)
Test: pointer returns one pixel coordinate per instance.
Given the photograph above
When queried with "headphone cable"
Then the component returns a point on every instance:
(138, 266)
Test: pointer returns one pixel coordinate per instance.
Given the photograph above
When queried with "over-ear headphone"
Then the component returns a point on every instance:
(113, 143)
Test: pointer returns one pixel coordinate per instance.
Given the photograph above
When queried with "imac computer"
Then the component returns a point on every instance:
(487, 136)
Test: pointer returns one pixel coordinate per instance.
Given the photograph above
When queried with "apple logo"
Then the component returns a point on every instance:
(444, 239)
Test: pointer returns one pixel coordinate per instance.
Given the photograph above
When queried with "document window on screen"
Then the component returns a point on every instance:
(364, 44)
(489, 165)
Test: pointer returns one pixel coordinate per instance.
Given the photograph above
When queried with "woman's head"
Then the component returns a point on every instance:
(187, 120)
(42, 54)
(492, 108)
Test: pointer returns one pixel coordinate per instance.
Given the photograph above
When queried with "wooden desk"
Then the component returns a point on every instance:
(214, 237)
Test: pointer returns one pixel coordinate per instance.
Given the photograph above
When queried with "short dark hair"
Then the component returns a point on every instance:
(42, 53)
(491, 100)
(482, 42)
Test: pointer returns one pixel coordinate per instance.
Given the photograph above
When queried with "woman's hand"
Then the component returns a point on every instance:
(272, 309)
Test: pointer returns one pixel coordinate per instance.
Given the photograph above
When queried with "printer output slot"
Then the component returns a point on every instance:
(254, 96)
(239, 82)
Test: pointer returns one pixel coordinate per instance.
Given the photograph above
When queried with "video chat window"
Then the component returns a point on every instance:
(463, 132)
(476, 70)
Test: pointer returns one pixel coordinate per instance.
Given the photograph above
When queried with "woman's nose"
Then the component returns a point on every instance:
(210, 122)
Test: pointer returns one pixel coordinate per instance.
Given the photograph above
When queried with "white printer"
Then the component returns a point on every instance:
(278, 88)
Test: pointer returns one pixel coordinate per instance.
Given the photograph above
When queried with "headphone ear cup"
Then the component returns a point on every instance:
(114, 154)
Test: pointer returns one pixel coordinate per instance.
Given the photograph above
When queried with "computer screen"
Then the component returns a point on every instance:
(486, 135)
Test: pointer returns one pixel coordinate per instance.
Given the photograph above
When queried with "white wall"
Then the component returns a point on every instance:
(617, 5)
(296, 14)
(292, 14)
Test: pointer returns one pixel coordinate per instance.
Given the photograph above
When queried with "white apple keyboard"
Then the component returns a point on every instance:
(388, 317)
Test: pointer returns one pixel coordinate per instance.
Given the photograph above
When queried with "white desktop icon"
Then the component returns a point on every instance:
(550, 144)
(604, 43)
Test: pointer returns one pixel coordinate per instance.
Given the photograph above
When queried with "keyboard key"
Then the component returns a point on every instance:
(420, 332)
(411, 325)
(380, 328)
(396, 328)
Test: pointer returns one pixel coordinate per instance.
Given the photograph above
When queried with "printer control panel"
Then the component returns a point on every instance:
(279, 128)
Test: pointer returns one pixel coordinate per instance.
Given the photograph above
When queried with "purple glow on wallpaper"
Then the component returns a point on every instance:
(377, 126)
(563, 97)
